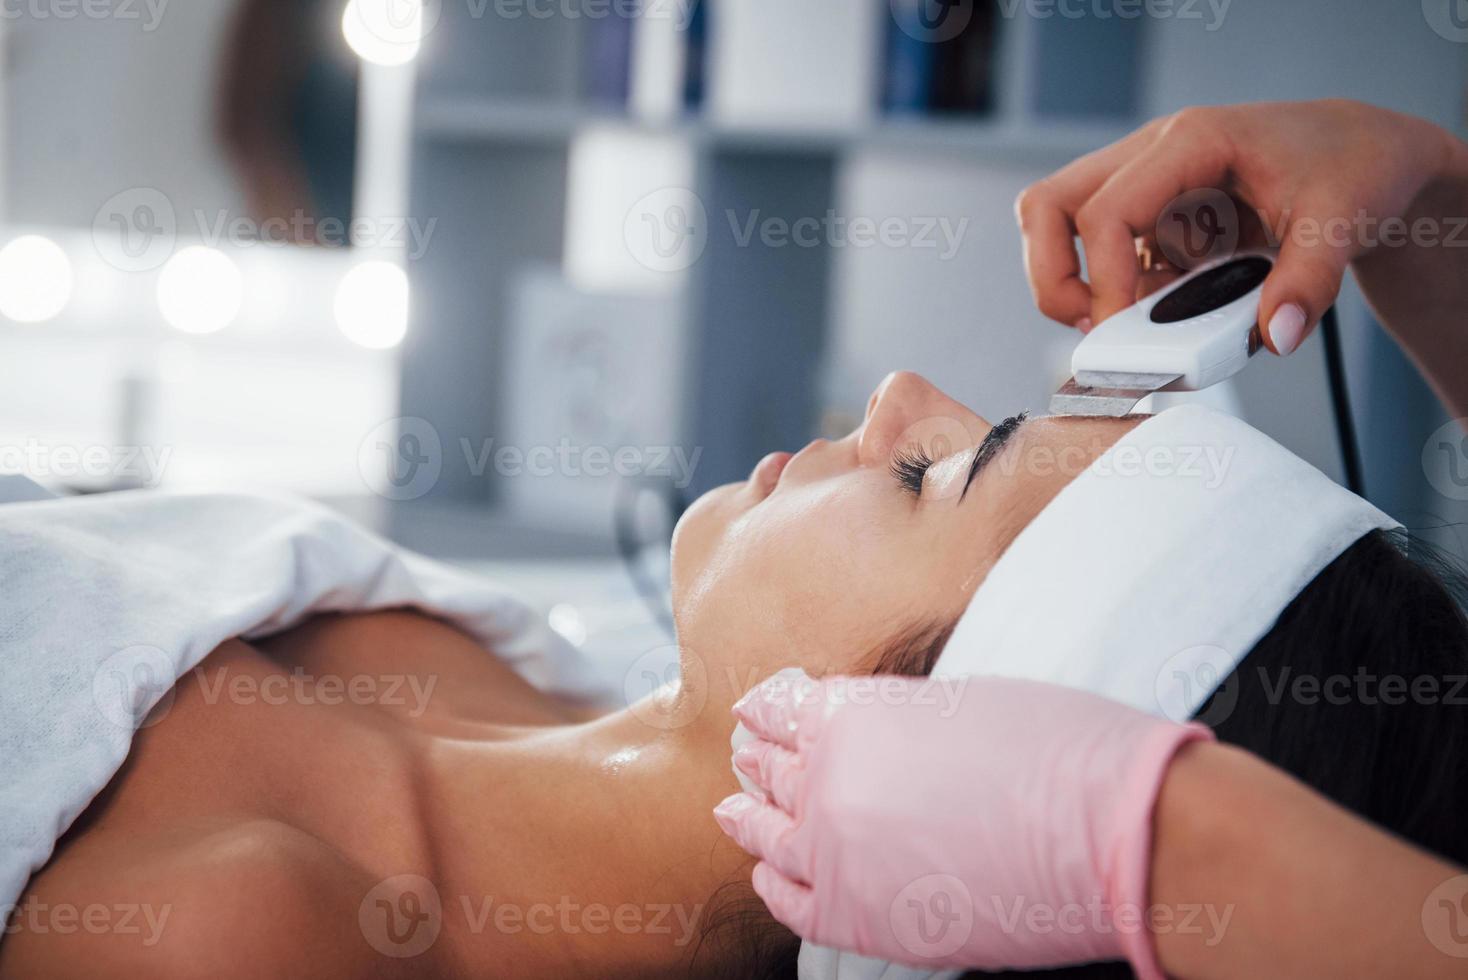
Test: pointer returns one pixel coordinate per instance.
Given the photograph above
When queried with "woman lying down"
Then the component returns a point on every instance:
(489, 819)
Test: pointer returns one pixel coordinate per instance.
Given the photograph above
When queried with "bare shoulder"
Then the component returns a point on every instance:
(418, 668)
(255, 899)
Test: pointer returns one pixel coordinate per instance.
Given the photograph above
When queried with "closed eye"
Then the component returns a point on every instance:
(909, 466)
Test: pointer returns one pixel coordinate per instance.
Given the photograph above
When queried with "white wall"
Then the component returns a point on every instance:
(967, 321)
(94, 107)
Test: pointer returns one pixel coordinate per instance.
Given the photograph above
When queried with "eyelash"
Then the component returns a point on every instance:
(909, 467)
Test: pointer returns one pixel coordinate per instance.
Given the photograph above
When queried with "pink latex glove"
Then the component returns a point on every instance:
(953, 822)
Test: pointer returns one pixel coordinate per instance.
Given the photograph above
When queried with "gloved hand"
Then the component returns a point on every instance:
(954, 821)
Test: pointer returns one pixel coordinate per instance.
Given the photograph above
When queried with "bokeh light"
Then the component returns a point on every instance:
(384, 32)
(35, 279)
(200, 290)
(372, 304)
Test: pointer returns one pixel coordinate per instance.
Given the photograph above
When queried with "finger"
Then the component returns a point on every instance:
(1051, 264)
(1189, 154)
(764, 831)
(790, 902)
(1305, 281)
(779, 707)
(1046, 212)
(776, 770)
(1111, 264)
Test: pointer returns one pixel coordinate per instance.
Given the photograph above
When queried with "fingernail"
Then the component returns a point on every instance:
(746, 760)
(1084, 324)
(1287, 328)
(727, 813)
(733, 804)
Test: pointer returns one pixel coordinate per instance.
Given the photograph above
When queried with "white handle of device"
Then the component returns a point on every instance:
(1201, 349)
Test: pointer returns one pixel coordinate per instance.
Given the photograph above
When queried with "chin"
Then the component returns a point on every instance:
(697, 534)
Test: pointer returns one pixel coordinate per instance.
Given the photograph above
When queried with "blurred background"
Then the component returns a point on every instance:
(509, 278)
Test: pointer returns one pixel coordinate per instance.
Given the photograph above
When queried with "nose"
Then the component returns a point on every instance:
(908, 412)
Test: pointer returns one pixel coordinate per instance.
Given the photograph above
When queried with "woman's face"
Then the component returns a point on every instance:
(821, 558)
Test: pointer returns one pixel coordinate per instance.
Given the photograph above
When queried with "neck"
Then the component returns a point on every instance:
(587, 849)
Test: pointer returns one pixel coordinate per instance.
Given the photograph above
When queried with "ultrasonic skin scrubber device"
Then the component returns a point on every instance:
(1190, 335)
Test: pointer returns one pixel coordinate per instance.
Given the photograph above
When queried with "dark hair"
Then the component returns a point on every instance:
(1359, 690)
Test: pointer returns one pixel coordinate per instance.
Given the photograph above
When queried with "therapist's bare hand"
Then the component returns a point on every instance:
(1316, 179)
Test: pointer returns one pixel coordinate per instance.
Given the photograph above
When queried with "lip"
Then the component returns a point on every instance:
(766, 473)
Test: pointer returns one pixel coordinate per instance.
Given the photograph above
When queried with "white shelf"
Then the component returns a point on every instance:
(473, 120)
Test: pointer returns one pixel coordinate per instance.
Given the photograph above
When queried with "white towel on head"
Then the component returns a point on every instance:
(1149, 578)
(106, 601)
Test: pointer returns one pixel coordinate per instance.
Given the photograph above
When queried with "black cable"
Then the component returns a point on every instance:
(630, 491)
(1340, 401)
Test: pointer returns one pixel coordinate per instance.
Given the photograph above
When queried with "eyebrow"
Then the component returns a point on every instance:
(991, 447)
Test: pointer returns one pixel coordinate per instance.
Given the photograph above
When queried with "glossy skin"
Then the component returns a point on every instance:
(822, 555)
(263, 828)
